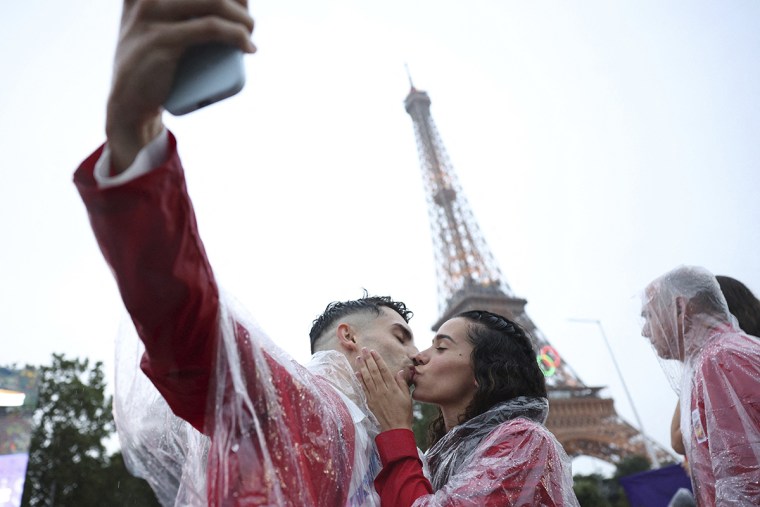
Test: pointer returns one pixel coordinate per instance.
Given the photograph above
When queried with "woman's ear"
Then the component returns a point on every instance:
(346, 337)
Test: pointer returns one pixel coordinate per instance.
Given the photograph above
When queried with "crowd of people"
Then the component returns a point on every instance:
(337, 431)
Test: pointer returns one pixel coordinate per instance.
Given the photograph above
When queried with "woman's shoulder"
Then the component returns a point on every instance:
(520, 424)
(517, 433)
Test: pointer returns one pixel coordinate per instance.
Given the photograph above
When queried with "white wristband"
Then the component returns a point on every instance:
(151, 156)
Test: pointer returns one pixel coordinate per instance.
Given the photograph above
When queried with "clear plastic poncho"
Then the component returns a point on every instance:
(263, 430)
(715, 369)
(156, 445)
(177, 460)
(505, 456)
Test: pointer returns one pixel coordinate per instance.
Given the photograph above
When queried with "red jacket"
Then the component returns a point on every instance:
(519, 463)
(723, 422)
(279, 435)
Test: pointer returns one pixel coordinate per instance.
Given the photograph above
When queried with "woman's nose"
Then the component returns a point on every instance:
(419, 358)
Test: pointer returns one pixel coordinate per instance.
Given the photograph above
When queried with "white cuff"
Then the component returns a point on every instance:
(151, 156)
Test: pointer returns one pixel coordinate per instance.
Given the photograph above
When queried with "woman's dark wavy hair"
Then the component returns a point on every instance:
(504, 363)
(742, 303)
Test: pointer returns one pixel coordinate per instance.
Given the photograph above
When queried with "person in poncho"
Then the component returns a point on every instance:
(490, 445)
(219, 414)
(714, 367)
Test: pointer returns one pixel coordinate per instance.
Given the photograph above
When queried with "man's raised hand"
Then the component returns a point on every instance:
(153, 36)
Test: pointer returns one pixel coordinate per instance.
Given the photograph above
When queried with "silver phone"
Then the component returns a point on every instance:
(206, 74)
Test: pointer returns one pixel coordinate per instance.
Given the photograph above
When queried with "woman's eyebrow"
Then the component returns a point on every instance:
(444, 337)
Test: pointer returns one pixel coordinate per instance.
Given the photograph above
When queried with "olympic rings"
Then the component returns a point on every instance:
(548, 360)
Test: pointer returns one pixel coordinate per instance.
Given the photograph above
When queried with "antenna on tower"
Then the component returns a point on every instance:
(409, 75)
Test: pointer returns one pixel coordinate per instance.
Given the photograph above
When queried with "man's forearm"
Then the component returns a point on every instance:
(147, 232)
(127, 141)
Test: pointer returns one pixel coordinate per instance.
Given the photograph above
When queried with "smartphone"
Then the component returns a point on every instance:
(206, 74)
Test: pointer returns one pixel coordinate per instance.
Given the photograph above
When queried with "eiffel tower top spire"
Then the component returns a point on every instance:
(409, 75)
(463, 259)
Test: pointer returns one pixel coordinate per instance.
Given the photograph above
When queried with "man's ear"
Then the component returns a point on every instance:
(681, 307)
(346, 337)
(683, 323)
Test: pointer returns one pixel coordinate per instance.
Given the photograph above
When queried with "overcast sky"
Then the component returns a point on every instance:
(599, 144)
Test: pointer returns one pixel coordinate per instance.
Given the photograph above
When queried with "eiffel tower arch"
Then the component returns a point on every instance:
(469, 278)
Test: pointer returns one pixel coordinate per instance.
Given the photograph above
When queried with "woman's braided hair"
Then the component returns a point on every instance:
(503, 361)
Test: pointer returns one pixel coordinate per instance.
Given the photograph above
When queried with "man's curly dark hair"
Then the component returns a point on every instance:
(340, 309)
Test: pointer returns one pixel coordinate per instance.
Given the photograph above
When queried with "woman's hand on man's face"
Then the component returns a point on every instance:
(388, 395)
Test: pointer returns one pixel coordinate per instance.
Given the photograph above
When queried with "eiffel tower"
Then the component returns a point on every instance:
(584, 422)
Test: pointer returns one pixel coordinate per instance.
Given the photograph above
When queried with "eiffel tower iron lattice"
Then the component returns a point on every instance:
(469, 278)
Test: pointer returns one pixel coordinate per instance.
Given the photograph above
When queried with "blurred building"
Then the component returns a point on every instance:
(18, 400)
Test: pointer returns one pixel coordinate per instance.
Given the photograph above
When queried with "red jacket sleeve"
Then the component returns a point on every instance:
(401, 481)
(279, 435)
(147, 232)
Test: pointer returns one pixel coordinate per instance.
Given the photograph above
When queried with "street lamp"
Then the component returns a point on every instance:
(647, 443)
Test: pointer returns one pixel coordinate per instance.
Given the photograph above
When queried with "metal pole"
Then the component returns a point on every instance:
(647, 443)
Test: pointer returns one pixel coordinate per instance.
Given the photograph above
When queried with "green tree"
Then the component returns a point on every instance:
(119, 487)
(631, 465)
(596, 491)
(627, 466)
(68, 462)
(589, 489)
(423, 414)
